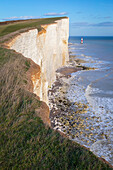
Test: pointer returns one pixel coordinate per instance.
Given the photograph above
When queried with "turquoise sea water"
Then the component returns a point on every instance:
(95, 88)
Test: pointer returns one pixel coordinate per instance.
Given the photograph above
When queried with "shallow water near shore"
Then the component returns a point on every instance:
(82, 104)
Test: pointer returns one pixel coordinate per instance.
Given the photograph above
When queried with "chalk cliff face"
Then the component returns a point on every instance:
(47, 48)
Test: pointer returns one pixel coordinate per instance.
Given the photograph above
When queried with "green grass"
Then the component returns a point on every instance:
(25, 142)
(27, 63)
(27, 24)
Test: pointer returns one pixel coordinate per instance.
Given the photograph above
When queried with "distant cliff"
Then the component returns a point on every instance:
(48, 48)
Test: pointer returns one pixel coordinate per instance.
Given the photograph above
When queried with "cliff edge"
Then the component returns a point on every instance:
(25, 141)
(47, 48)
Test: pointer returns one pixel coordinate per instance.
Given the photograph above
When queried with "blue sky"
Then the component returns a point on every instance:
(87, 17)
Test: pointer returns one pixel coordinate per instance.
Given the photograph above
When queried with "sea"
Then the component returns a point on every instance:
(94, 88)
(82, 106)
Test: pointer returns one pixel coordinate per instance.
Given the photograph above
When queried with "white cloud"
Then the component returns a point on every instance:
(103, 17)
(86, 24)
(55, 14)
(20, 18)
(33, 17)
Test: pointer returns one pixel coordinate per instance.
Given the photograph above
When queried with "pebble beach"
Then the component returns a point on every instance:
(71, 112)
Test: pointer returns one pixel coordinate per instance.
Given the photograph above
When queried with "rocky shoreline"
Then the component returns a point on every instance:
(61, 115)
(71, 118)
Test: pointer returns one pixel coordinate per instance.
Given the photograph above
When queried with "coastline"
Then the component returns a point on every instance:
(59, 88)
(58, 102)
(25, 139)
(61, 115)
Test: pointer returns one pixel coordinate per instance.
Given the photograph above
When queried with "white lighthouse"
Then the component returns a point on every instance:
(81, 40)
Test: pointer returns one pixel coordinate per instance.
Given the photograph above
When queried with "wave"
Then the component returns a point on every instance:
(103, 148)
(94, 89)
(100, 104)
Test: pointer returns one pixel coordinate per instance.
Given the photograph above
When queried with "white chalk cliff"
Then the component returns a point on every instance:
(47, 48)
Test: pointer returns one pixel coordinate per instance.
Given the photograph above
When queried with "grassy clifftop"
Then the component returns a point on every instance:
(10, 28)
(25, 142)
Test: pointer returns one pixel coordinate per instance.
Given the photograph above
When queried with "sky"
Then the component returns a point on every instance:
(87, 17)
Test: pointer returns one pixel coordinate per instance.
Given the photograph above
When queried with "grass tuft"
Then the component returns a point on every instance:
(27, 63)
